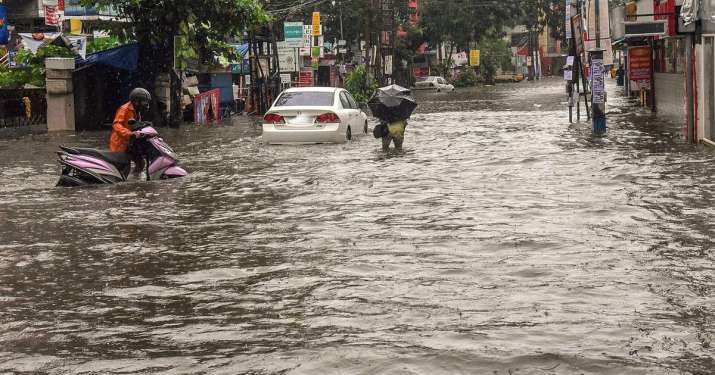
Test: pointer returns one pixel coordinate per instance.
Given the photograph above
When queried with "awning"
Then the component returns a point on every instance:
(124, 58)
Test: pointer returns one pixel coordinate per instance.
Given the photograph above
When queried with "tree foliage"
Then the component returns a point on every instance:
(155, 23)
(30, 68)
(361, 84)
(466, 78)
(464, 22)
(495, 54)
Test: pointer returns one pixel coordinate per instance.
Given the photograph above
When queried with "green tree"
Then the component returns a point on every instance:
(463, 23)
(495, 54)
(361, 84)
(31, 67)
(155, 23)
(405, 51)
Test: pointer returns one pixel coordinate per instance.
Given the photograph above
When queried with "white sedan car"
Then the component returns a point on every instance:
(313, 115)
(433, 82)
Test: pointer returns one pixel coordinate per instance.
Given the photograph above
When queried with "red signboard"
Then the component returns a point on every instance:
(52, 18)
(665, 10)
(61, 5)
(305, 78)
(639, 67)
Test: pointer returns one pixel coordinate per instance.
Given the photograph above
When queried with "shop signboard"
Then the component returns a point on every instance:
(639, 67)
(52, 16)
(287, 57)
(73, 8)
(305, 78)
(578, 36)
(293, 32)
(317, 30)
(307, 36)
(285, 79)
(474, 57)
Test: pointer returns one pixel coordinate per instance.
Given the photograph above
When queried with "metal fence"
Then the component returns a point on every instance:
(22, 107)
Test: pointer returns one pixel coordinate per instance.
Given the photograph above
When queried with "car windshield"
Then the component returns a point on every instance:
(306, 99)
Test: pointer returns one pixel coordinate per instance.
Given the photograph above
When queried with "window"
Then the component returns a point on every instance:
(670, 56)
(344, 100)
(353, 103)
(306, 99)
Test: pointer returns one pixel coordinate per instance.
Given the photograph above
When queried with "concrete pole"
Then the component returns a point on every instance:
(598, 104)
(60, 94)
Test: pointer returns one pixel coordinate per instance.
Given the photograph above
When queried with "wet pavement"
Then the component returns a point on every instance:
(501, 241)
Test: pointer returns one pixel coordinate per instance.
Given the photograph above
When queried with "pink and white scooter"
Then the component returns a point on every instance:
(83, 166)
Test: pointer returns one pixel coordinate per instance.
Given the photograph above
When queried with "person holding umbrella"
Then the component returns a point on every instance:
(393, 105)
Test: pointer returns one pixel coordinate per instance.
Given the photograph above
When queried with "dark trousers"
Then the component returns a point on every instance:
(386, 140)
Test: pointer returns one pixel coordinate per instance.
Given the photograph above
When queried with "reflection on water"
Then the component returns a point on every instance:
(502, 240)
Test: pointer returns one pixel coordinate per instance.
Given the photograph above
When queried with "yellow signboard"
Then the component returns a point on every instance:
(316, 23)
(474, 56)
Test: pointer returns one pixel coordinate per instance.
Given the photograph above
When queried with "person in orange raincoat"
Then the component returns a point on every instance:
(122, 133)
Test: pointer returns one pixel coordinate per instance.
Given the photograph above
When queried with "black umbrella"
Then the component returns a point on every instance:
(392, 103)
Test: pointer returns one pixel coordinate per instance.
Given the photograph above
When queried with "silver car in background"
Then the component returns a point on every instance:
(436, 83)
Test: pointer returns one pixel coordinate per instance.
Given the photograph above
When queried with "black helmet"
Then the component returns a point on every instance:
(140, 94)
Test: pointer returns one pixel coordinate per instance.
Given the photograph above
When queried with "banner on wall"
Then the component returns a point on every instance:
(33, 41)
(78, 44)
(207, 106)
(4, 33)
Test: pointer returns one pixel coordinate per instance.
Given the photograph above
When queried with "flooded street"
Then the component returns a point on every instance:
(501, 241)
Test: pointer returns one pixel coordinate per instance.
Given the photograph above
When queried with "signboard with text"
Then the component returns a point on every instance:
(305, 78)
(293, 32)
(316, 24)
(474, 57)
(598, 87)
(639, 67)
(287, 57)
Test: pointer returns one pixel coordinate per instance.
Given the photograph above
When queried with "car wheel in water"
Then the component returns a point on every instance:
(349, 134)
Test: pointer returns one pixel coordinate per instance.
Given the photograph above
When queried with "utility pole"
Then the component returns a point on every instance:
(530, 59)
(598, 94)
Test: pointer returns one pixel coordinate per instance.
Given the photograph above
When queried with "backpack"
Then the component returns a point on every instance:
(381, 130)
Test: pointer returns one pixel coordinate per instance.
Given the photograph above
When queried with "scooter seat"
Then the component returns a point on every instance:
(120, 160)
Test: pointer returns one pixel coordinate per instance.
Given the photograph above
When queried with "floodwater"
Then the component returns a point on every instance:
(501, 241)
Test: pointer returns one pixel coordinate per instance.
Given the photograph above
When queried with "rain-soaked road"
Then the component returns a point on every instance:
(502, 241)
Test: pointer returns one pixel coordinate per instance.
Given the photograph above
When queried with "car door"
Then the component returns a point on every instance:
(347, 112)
(360, 116)
(441, 83)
